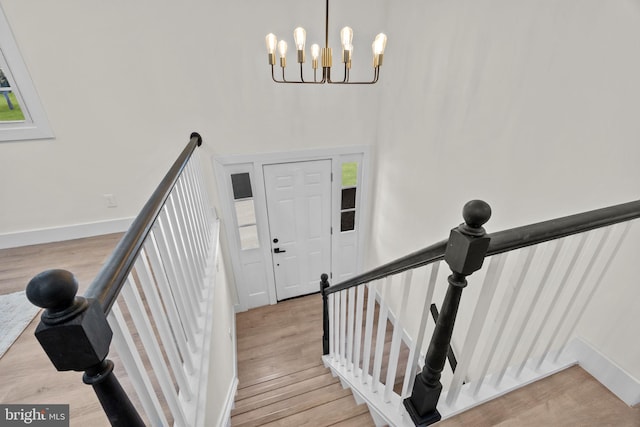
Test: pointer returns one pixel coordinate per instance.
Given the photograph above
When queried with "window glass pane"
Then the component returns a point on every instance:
(348, 198)
(245, 212)
(241, 184)
(248, 237)
(10, 110)
(347, 221)
(349, 174)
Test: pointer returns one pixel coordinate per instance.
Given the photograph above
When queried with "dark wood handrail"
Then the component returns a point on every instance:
(111, 277)
(504, 241)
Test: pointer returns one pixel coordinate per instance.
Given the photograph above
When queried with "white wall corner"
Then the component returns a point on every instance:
(59, 234)
(606, 371)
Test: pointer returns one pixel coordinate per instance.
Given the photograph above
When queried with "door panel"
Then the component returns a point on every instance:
(299, 210)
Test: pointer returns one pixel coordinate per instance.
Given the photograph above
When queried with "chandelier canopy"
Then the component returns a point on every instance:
(324, 55)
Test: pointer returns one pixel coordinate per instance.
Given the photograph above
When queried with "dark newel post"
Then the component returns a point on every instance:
(74, 333)
(465, 253)
(324, 284)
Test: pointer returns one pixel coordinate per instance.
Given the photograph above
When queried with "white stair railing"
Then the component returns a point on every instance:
(515, 322)
(153, 298)
(161, 319)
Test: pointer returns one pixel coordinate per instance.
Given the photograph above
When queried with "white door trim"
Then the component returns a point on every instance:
(255, 162)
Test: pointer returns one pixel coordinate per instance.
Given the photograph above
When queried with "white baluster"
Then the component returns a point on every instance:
(343, 327)
(189, 209)
(380, 336)
(488, 289)
(396, 337)
(368, 330)
(182, 303)
(416, 345)
(169, 302)
(532, 305)
(332, 346)
(181, 254)
(139, 315)
(188, 236)
(597, 283)
(561, 287)
(336, 326)
(137, 373)
(351, 320)
(358, 329)
(578, 289)
(504, 311)
(160, 318)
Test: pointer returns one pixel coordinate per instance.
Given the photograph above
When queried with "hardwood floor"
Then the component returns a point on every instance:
(282, 381)
(569, 398)
(280, 370)
(26, 374)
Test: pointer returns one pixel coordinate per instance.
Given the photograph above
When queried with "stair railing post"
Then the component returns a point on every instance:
(465, 254)
(324, 284)
(74, 333)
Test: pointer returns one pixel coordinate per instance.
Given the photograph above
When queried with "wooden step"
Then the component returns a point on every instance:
(268, 384)
(301, 401)
(337, 412)
(273, 395)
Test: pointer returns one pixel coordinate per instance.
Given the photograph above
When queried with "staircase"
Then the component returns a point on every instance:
(281, 378)
(516, 324)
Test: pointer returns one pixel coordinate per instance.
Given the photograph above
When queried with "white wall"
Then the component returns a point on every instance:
(530, 106)
(125, 83)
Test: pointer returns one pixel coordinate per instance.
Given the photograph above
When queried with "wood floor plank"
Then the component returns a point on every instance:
(569, 398)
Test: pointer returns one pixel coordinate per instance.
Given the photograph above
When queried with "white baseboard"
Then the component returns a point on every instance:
(225, 419)
(606, 371)
(59, 234)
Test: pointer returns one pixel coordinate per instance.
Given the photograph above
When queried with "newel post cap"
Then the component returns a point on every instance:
(468, 242)
(73, 330)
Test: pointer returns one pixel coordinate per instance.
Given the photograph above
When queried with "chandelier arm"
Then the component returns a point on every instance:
(273, 75)
(301, 74)
(376, 75)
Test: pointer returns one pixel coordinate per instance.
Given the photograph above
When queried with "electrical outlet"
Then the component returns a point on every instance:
(111, 200)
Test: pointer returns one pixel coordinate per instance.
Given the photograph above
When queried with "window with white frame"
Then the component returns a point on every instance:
(21, 113)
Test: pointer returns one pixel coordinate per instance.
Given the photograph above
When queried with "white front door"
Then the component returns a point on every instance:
(299, 210)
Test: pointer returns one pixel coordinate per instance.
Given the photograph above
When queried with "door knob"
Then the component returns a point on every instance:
(278, 251)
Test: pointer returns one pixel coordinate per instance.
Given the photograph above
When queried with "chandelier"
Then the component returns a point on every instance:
(324, 55)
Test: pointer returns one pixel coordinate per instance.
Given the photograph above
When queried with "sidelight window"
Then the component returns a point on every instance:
(245, 211)
(348, 203)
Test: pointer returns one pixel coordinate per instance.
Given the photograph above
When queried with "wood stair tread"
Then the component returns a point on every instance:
(274, 382)
(336, 412)
(283, 392)
(292, 405)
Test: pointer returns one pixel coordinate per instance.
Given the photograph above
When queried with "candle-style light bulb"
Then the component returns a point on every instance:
(378, 46)
(271, 41)
(379, 43)
(315, 53)
(282, 48)
(346, 37)
(299, 38)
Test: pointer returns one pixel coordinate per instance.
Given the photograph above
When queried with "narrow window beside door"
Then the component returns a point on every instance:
(348, 204)
(245, 211)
